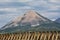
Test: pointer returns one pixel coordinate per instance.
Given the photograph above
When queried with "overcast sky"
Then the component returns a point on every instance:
(9, 9)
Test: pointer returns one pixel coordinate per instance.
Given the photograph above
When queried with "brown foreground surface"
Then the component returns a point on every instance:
(31, 36)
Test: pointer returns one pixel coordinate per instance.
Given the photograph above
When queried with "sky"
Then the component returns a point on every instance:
(9, 9)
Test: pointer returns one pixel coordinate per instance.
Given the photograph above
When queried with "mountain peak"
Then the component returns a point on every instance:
(31, 18)
(31, 13)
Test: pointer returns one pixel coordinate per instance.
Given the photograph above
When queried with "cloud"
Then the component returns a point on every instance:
(16, 9)
(51, 15)
(46, 5)
(54, 7)
(37, 3)
(12, 4)
(12, 8)
(54, 1)
(25, 7)
(15, 0)
(25, 0)
(5, 0)
(8, 9)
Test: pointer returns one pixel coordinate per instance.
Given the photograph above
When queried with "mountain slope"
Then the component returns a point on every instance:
(13, 23)
(57, 20)
(30, 21)
(31, 17)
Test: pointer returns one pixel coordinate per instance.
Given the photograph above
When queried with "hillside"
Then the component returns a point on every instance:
(29, 22)
(57, 20)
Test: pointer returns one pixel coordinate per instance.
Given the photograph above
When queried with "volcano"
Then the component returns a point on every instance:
(30, 21)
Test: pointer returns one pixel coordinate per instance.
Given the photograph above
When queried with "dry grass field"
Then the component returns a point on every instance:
(31, 36)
